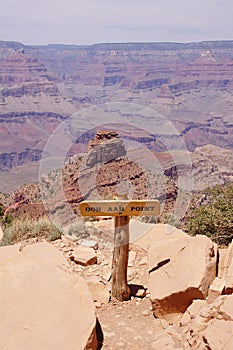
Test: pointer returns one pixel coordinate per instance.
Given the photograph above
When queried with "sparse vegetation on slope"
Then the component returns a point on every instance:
(22, 230)
(214, 218)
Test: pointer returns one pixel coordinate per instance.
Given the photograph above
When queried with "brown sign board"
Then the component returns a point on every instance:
(120, 208)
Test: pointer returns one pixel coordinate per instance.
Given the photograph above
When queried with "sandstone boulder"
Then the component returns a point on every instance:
(228, 270)
(42, 305)
(84, 256)
(222, 260)
(216, 289)
(181, 270)
(155, 233)
(209, 326)
(98, 290)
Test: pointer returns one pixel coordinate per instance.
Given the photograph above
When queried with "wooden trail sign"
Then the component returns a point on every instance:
(121, 209)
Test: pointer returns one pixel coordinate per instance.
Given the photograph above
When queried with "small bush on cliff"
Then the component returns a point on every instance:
(5, 220)
(1, 212)
(215, 218)
(22, 230)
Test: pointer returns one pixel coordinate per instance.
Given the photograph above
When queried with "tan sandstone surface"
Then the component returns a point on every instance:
(200, 320)
(42, 305)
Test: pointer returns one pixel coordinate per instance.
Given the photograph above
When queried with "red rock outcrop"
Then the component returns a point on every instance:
(105, 147)
(105, 167)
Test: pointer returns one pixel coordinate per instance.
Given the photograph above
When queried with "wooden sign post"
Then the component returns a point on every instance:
(121, 209)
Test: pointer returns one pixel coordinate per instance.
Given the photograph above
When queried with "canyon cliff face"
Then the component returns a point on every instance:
(190, 85)
(111, 171)
(101, 173)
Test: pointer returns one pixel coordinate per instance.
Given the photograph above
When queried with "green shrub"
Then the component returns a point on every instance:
(215, 218)
(8, 220)
(1, 212)
(5, 220)
(22, 230)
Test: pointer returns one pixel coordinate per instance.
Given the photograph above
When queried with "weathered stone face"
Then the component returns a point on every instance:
(105, 147)
(181, 270)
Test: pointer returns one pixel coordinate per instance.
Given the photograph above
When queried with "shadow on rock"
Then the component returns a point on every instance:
(99, 334)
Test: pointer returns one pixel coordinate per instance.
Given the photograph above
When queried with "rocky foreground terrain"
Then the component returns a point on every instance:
(41, 86)
(58, 295)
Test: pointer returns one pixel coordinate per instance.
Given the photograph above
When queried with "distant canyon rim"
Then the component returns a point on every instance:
(190, 85)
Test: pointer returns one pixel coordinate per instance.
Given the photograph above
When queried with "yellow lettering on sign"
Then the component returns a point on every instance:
(120, 208)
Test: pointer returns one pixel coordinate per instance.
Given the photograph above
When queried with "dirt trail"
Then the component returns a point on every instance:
(127, 325)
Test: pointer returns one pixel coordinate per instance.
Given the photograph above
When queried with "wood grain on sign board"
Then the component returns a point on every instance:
(120, 208)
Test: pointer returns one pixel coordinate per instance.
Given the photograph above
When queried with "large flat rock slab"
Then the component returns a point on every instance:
(43, 306)
(83, 255)
(180, 270)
